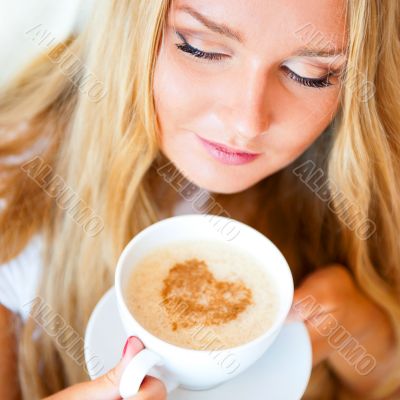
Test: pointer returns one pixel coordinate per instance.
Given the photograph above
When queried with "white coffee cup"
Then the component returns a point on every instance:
(197, 369)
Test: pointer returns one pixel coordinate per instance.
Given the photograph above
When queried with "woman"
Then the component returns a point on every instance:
(250, 101)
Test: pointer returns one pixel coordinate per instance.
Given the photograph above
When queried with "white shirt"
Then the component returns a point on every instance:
(20, 277)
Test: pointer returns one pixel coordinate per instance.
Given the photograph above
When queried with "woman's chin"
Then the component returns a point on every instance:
(220, 186)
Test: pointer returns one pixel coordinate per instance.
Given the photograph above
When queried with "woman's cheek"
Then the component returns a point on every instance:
(322, 106)
(178, 99)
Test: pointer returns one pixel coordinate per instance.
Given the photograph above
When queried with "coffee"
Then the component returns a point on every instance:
(202, 295)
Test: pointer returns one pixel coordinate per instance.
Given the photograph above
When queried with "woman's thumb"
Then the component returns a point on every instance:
(106, 387)
(295, 314)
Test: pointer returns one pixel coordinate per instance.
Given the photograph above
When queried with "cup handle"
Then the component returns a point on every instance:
(140, 366)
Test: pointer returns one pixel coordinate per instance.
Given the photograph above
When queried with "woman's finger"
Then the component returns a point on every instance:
(106, 387)
(151, 389)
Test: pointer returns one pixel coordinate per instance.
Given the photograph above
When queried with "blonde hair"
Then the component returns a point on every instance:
(104, 149)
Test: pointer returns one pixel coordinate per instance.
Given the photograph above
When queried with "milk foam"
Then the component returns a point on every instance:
(226, 263)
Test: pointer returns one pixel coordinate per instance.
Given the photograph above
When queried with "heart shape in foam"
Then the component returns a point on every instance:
(192, 296)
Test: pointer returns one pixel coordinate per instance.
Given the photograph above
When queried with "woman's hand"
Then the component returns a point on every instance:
(106, 387)
(345, 326)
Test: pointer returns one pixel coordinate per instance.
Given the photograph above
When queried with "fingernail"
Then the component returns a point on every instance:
(293, 316)
(126, 345)
(134, 344)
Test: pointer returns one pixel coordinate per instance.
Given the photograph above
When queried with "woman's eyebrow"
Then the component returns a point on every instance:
(225, 30)
(323, 52)
(219, 28)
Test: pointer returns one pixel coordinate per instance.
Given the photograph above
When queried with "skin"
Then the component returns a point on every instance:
(334, 290)
(106, 387)
(248, 101)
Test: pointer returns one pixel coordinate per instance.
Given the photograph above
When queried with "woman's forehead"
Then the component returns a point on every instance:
(270, 29)
(286, 22)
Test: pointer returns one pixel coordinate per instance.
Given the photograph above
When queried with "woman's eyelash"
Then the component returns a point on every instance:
(187, 48)
(308, 82)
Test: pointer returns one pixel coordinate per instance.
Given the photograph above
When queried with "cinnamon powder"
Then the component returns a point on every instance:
(192, 296)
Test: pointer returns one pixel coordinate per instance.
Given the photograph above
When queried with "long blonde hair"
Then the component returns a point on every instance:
(103, 149)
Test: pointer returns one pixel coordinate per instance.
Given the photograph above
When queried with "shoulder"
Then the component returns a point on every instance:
(19, 277)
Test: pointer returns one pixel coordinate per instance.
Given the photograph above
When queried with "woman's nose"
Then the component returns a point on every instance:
(250, 109)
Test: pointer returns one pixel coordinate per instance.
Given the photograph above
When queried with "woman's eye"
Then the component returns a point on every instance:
(187, 48)
(310, 82)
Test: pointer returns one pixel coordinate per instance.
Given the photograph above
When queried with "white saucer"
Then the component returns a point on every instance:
(282, 373)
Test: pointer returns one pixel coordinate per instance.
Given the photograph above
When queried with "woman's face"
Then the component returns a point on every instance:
(243, 87)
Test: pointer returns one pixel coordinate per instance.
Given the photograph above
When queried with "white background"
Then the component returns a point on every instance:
(58, 17)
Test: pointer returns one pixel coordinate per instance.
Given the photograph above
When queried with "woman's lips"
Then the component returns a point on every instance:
(227, 155)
